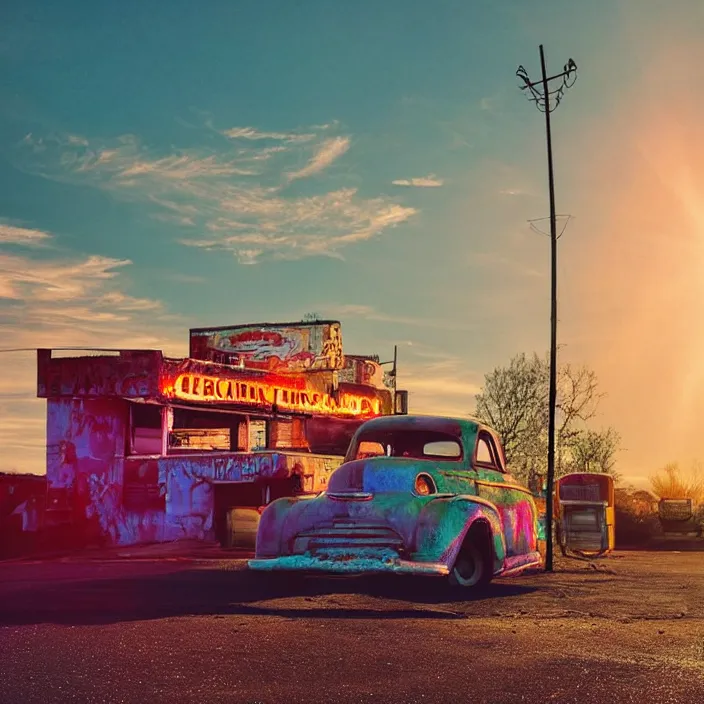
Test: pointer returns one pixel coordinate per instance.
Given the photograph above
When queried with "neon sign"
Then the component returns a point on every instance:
(199, 387)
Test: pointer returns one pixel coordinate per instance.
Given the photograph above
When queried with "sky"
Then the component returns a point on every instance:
(173, 165)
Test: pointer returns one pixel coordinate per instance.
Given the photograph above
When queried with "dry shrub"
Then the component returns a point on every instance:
(671, 483)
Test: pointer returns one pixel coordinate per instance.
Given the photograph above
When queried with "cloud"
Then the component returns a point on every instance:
(56, 299)
(430, 181)
(326, 154)
(127, 160)
(255, 135)
(291, 229)
(236, 200)
(22, 278)
(76, 301)
(9, 234)
(438, 383)
(184, 167)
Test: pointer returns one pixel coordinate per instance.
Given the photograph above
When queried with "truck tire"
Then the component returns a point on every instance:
(473, 566)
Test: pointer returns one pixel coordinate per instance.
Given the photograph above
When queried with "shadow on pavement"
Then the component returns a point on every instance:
(213, 592)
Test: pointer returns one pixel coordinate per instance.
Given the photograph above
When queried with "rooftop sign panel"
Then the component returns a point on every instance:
(283, 348)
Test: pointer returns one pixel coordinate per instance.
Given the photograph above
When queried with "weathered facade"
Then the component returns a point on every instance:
(144, 448)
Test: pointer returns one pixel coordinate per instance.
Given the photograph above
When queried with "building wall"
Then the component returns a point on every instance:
(120, 500)
(130, 374)
(86, 441)
(188, 483)
(177, 497)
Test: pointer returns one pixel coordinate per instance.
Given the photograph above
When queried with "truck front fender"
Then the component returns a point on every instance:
(273, 523)
(444, 523)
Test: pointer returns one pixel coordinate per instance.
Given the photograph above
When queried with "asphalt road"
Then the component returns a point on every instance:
(203, 630)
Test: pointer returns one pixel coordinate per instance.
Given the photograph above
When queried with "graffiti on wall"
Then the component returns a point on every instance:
(284, 348)
(132, 374)
(188, 484)
(85, 451)
(362, 370)
(189, 481)
(141, 490)
(121, 500)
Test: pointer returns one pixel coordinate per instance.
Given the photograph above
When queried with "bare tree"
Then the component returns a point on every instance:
(594, 451)
(514, 401)
(577, 402)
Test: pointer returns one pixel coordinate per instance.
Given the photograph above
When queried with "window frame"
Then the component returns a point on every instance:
(444, 458)
(384, 437)
(497, 463)
(133, 425)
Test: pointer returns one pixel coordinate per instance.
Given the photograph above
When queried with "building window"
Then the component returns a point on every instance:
(200, 439)
(257, 435)
(288, 435)
(145, 429)
(205, 431)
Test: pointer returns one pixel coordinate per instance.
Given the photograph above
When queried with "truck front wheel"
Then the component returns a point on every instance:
(472, 568)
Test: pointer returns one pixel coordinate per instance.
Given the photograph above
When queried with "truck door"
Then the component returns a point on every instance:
(514, 502)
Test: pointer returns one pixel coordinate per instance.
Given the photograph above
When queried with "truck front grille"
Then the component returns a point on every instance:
(348, 534)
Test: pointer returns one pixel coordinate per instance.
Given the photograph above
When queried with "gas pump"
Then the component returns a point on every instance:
(585, 514)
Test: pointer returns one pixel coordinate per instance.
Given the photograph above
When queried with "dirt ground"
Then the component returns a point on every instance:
(189, 624)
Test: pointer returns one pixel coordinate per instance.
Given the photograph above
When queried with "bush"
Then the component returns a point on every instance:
(637, 521)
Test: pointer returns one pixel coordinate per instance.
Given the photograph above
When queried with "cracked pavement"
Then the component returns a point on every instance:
(627, 628)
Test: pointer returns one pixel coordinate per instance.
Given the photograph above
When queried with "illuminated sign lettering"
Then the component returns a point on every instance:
(198, 387)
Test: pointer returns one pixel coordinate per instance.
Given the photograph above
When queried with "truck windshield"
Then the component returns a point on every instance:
(416, 444)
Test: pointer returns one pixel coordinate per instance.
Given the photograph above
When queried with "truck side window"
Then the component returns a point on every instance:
(487, 454)
(483, 452)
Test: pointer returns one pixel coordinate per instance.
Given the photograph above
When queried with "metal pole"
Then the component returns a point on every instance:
(394, 378)
(548, 101)
(553, 331)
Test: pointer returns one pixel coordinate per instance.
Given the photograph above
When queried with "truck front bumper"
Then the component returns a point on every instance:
(340, 561)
